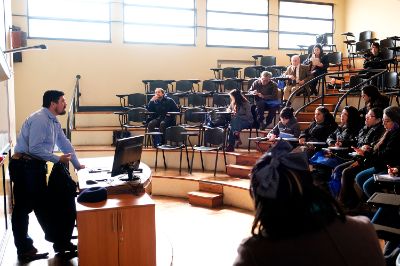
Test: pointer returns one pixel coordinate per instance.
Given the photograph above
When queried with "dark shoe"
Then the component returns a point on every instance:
(67, 255)
(61, 248)
(229, 148)
(32, 255)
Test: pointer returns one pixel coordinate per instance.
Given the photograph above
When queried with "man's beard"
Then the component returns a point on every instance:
(63, 112)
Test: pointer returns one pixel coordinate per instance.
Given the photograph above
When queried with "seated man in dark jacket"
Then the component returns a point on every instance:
(373, 59)
(160, 105)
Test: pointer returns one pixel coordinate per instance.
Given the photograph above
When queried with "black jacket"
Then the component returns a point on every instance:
(348, 136)
(388, 152)
(291, 128)
(162, 107)
(318, 132)
(370, 135)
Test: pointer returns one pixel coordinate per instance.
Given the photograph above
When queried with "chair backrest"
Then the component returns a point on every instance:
(251, 72)
(275, 72)
(365, 35)
(173, 135)
(387, 53)
(268, 60)
(209, 86)
(196, 100)
(214, 136)
(153, 85)
(184, 86)
(221, 100)
(303, 57)
(335, 58)
(231, 84)
(230, 72)
(386, 43)
(250, 82)
(136, 99)
(194, 119)
(137, 115)
(362, 46)
(354, 80)
(391, 80)
(176, 99)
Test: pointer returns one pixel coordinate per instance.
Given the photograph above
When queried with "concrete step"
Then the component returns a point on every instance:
(240, 171)
(205, 199)
(248, 159)
(211, 187)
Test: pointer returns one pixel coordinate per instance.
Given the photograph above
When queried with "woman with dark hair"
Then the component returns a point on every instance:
(345, 135)
(319, 64)
(385, 152)
(287, 124)
(372, 98)
(241, 118)
(368, 136)
(298, 224)
(322, 126)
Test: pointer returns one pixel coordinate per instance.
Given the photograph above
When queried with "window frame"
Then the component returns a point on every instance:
(306, 18)
(194, 9)
(236, 29)
(109, 22)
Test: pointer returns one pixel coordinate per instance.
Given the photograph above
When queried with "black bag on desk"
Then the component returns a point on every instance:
(120, 134)
(61, 205)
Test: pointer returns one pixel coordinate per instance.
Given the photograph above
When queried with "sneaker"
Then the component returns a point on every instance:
(31, 255)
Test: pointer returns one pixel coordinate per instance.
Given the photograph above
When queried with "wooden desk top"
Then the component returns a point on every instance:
(104, 178)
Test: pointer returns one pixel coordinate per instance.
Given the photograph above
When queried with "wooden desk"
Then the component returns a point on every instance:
(118, 231)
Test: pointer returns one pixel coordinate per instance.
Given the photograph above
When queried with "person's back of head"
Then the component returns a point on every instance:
(286, 201)
(354, 120)
(287, 113)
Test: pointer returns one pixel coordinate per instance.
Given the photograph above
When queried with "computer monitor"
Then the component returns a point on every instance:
(128, 152)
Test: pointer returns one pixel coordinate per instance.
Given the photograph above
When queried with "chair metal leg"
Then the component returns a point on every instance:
(191, 165)
(163, 155)
(180, 162)
(248, 145)
(187, 157)
(202, 164)
(216, 162)
(155, 166)
(224, 159)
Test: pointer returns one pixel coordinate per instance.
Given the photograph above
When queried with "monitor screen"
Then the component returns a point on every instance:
(128, 152)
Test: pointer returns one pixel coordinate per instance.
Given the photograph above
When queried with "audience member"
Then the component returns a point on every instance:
(267, 99)
(322, 126)
(287, 125)
(372, 98)
(298, 75)
(295, 223)
(367, 138)
(241, 118)
(385, 152)
(373, 59)
(160, 105)
(318, 63)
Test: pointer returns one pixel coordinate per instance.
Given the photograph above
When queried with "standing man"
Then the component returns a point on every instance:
(39, 134)
(298, 75)
(160, 105)
(266, 92)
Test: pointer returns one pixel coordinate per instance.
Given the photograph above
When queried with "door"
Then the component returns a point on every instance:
(137, 239)
(98, 237)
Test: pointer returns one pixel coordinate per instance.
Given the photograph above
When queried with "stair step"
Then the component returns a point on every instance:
(329, 99)
(247, 159)
(241, 171)
(205, 199)
(205, 186)
(312, 107)
(304, 125)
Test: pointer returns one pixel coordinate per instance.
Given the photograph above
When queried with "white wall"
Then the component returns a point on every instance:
(111, 68)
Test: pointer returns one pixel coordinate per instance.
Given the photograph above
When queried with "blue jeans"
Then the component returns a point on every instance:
(267, 105)
(365, 180)
(236, 125)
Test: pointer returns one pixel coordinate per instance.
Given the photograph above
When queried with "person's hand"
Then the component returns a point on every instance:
(82, 166)
(393, 171)
(291, 77)
(338, 144)
(366, 148)
(358, 151)
(301, 82)
(65, 158)
(154, 98)
(302, 141)
(272, 137)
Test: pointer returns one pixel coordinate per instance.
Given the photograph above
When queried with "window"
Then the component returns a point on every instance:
(300, 22)
(159, 21)
(237, 23)
(69, 19)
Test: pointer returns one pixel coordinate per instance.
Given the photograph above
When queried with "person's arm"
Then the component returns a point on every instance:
(65, 146)
(295, 127)
(307, 75)
(332, 138)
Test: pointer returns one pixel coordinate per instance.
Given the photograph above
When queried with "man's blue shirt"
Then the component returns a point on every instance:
(40, 133)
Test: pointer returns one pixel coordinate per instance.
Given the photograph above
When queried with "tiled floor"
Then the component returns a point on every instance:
(186, 236)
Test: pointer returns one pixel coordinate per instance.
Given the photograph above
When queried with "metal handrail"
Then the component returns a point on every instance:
(73, 108)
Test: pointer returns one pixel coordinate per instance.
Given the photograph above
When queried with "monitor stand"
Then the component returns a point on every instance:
(131, 176)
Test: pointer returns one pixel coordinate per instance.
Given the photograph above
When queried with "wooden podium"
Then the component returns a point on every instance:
(117, 231)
